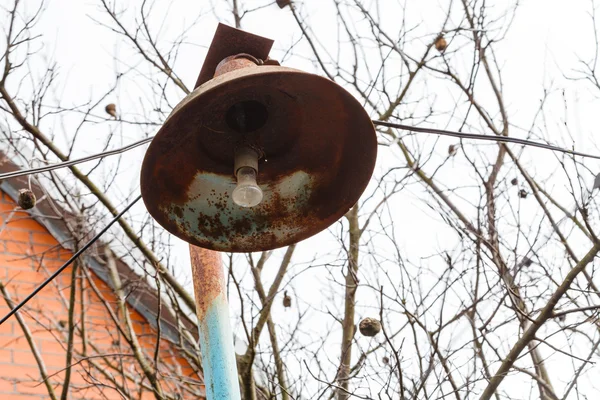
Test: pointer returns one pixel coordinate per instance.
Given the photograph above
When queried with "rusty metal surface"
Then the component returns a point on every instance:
(319, 153)
(233, 63)
(229, 41)
(214, 327)
(209, 279)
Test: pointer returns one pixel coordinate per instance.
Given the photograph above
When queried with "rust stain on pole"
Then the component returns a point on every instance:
(214, 328)
(209, 279)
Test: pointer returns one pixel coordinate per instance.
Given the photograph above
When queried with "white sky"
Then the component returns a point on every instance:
(546, 40)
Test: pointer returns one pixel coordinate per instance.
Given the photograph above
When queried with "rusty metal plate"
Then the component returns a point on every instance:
(319, 150)
(227, 42)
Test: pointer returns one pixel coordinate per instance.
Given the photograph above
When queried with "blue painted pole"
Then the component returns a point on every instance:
(216, 338)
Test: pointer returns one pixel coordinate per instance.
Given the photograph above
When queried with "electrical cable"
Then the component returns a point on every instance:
(464, 135)
(69, 163)
(69, 262)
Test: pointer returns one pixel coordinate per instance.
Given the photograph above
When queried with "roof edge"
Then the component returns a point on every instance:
(143, 298)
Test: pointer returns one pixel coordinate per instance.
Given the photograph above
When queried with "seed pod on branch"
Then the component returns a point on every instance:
(452, 150)
(514, 181)
(526, 262)
(26, 199)
(369, 327)
(283, 3)
(596, 182)
(287, 300)
(523, 193)
(441, 44)
(111, 109)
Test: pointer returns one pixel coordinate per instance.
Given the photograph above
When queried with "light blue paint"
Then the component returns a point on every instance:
(209, 199)
(218, 357)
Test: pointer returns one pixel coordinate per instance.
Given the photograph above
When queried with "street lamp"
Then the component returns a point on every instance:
(257, 157)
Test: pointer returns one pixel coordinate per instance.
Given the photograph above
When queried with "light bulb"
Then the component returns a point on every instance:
(246, 193)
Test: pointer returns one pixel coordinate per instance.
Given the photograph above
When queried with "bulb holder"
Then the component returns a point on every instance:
(246, 156)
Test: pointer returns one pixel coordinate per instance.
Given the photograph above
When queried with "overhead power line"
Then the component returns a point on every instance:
(70, 163)
(463, 135)
(69, 262)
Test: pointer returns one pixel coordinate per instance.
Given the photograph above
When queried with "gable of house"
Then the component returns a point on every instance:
(114, 356)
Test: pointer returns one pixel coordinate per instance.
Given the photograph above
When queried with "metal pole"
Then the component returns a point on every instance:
(216, 339)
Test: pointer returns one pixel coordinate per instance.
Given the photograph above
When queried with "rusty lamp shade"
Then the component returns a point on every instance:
(317, 149)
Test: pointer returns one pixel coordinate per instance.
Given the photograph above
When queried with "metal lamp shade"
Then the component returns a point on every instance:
(318, 153)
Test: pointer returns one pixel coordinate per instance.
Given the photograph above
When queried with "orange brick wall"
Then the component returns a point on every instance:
(28, 254)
